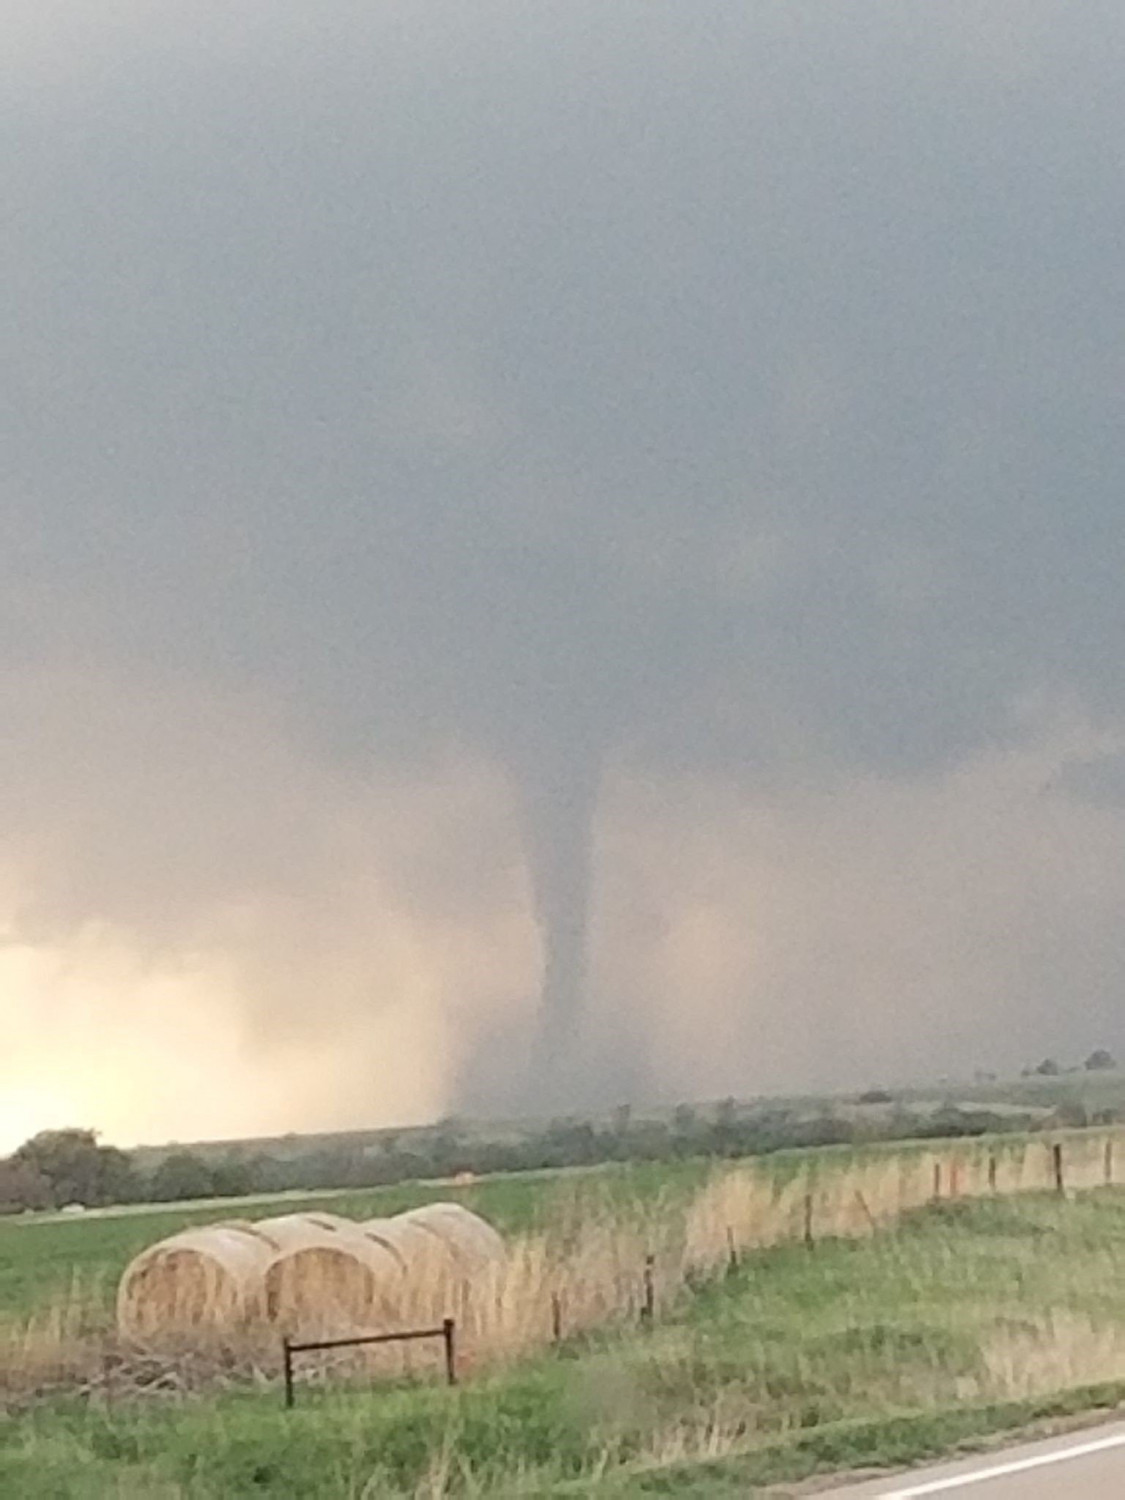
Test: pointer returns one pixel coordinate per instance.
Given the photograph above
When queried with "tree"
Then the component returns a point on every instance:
(1071, 1113)
(1099, 1061)
(77, 1168)
(118, 1179)
(180, 1176)
(1048, 1068)
(725, 1128)
(726, 1111)
(22, 1187)
(231, 1178)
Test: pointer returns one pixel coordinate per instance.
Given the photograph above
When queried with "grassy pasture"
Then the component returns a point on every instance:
(907, 1325)
(965, 1318)
(44, 1257)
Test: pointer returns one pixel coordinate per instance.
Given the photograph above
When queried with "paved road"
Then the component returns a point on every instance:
(1081, 1466)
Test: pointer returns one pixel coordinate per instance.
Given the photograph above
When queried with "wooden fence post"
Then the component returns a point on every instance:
(809, 1221)
(1057, 1157)
(648, 1307)
(287, 1359)
(447, 1334)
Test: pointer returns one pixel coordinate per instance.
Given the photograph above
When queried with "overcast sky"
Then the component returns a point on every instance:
(604, 511)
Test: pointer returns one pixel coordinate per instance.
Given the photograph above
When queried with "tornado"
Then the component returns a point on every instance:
(559, 805)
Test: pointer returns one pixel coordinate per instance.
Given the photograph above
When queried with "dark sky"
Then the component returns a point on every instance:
(632, 492)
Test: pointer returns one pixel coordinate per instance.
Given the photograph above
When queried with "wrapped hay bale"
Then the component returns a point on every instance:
(327, 1276)
(210, 1277)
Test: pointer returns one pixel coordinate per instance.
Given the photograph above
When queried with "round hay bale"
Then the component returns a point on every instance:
(468, 1276)
(410, 1242)
(295, 1228)
(432, 1271)
(327, 1276)
(470, 1239)
(248, 1226)
(203, 1278)
(322, 1220)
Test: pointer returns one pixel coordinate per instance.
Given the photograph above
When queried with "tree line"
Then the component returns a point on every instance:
(61, 1168)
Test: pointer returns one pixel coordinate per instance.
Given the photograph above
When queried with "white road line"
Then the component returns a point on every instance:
(999, 1471)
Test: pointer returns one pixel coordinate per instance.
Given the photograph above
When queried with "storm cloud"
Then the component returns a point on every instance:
(505, 485)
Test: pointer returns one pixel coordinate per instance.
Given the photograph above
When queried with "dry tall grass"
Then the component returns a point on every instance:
(592, 1273)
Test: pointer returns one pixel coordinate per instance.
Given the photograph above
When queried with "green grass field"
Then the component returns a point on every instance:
(966, 1318)
(44, 1256)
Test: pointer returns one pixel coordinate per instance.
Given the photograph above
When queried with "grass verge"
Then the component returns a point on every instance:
(966, 1319)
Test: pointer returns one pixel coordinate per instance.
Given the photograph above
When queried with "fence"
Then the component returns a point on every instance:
(447, 1333)
(628, 1266)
